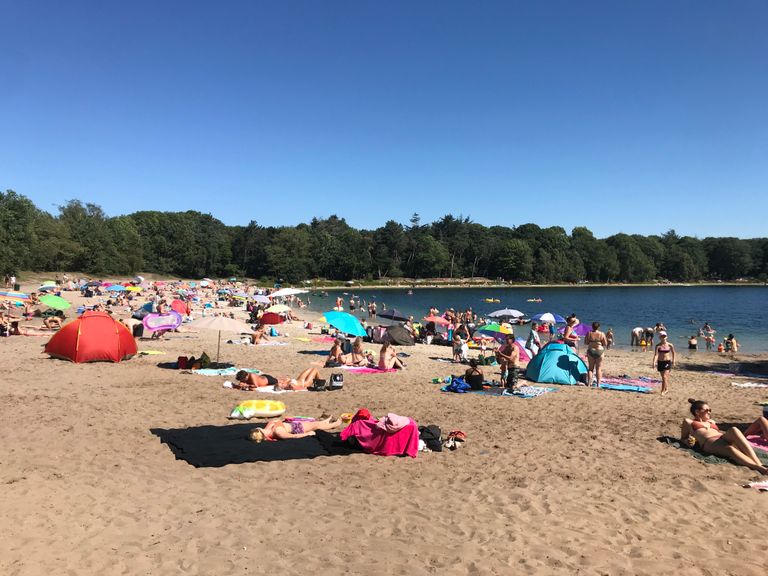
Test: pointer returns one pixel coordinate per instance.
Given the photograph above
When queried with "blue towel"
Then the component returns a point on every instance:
(627, 388)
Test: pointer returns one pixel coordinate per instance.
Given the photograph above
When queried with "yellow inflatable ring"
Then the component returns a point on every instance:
(257, 409)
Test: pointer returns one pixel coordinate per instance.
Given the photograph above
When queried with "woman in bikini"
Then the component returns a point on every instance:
(388, 358)
(250, 381)
(282, 430)
(664, 360)
(358, 357)
(731, 444)
(596, 344)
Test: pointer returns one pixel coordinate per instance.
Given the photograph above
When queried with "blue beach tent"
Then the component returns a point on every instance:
(556, 364)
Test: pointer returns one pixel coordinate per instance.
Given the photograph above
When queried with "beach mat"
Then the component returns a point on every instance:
(626, 388)
(708, 458)
(216, 446)
(232, 371)
(758, 442)
(643, 381)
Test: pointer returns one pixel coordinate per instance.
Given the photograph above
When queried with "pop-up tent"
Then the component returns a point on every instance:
(399, 336)
(556, 364)
(93, 337)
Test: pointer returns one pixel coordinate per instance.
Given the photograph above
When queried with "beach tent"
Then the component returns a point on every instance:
(271, 318)
(556, 364)
(93, 337)
(399, 336)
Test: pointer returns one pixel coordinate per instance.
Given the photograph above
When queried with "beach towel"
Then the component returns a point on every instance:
(626, 388)
(216, 446)
(151, 352)
(758, 442)
(750, 384)
(324, 339)
(375, 440)
(302, 339)
(699, 455)
(521, 392)
(274, 390)
(761, 486)
(272, 343)
(368, 369)
(629, 380)
(223, 371)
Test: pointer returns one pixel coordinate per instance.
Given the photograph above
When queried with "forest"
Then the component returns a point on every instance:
(81, 237)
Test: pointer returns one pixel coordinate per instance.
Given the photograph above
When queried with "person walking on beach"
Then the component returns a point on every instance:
(664, 360)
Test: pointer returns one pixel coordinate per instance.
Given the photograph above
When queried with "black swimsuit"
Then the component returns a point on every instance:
(271, 380)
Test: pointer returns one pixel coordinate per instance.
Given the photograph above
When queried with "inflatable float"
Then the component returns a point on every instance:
(534, 300)
(492, 300)
(167, 321)
(257, 409)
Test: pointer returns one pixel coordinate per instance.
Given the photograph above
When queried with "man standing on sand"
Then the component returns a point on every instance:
(508, 356)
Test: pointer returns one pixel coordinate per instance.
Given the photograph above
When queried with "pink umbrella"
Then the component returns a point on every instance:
(436, 319)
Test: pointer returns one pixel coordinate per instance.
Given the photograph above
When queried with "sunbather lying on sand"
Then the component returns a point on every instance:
(281, 430)
(730, 444)
(250, 381)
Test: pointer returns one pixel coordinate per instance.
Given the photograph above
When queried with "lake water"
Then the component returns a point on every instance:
(741, 310)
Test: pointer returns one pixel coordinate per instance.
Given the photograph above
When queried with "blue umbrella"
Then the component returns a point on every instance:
(116, 288)
(345, 323)
(549, 317)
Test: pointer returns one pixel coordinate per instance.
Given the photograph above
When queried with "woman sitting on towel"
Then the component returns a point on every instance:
(388, 358)
(731, 444)
(251, 381)
(335, 355)
(281, 430)
(358, 357)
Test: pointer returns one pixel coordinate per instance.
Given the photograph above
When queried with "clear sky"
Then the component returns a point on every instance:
(616, 115)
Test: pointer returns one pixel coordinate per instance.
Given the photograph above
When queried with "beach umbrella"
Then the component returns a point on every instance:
(437, 320)
(345, 323)
(261, 299)
(277, 308)
(93, 283)
(222, 291)
(222, 324)
(47, 285)
(204, 283)
(393, 314)
(138, 279)
(580, 330)
(549, 317)
(287, 292)
(271, 318)
(116, 288)
(506, 313)
(55, 302)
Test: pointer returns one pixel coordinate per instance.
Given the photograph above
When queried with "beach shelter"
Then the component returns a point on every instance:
(394, 314)
(93, 337)
(271, 318)
(556, 364)
(399, 336)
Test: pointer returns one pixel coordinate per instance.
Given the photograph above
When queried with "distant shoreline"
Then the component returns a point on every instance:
(531, 286)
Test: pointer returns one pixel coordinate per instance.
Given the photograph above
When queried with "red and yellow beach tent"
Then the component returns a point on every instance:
(94, 337)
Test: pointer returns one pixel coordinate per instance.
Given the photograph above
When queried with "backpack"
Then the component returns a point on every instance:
(346, 346)
(205, 360)
(432, 437)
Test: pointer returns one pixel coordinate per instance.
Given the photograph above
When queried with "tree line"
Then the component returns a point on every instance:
(191, 244)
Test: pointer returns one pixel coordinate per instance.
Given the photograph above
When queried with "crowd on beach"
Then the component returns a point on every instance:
(461, 330)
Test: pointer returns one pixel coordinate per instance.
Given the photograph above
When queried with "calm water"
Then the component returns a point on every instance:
(742, 310)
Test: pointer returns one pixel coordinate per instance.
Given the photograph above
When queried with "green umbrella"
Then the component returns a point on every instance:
(56, 302)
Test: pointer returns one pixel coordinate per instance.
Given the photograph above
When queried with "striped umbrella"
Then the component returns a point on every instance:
(14, 296)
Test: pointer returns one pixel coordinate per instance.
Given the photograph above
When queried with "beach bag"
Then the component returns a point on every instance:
(138, 331)
(319, 385)
(182, 362)
(205, 360)
(432, 437)
(273, 332)
(346, 347)
(337, 381)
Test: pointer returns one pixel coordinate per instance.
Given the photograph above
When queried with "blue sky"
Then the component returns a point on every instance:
(620, 116)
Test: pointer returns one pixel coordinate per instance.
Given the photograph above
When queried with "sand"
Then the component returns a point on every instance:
(573, 482)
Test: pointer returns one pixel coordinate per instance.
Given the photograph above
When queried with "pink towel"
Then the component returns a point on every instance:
(392, 422)
(758, 442)
(323, 339)
(368, 370)
(375, 440)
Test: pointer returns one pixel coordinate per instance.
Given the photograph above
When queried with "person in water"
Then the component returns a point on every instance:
(282, 430)
(251, 381)
(596, 344)
(731, 444)
(664, 360)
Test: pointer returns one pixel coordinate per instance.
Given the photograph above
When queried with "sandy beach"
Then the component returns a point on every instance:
(573, 482)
